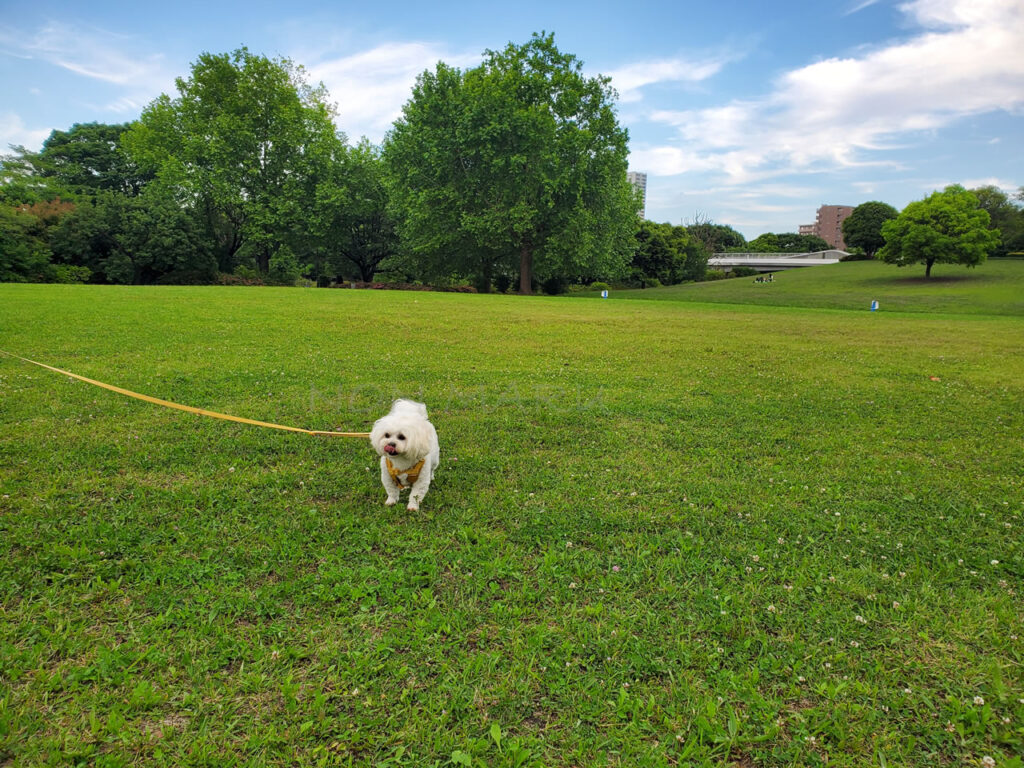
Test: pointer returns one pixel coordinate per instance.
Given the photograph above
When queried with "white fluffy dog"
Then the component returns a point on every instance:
(409, 452)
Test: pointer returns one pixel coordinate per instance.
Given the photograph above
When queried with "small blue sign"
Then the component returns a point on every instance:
(604, 294)
(874, 306)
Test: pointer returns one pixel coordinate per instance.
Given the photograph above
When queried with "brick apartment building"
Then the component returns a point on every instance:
(828, 225)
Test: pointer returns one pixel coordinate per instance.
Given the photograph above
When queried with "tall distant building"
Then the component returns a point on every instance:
(639, 180)
(828, 225)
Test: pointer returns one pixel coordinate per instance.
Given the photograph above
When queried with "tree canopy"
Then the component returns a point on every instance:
(1006, 215)
(514, 170)
(245, 141)
(863, 228)
(947, 227)
(519, 162)
(667, 253)
(785, 242)
(716, 238)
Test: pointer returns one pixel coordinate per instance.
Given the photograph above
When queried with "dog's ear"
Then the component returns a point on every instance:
(417, 439)
(376, 434)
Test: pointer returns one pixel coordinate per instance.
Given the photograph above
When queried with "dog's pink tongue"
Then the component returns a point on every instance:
(390, 449)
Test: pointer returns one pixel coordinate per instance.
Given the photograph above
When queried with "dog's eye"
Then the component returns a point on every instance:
(387, 434)
(401, 437)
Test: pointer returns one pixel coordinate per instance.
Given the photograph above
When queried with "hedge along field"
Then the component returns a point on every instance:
(661, 534)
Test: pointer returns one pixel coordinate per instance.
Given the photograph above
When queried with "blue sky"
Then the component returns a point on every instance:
(750, 113)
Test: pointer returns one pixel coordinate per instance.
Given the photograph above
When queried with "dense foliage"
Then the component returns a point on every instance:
(947, 227)
(1006, 215)
(669, 254)
(509, 173)
(243, 173)
(518, 165)
(862, 229)
(784, 242)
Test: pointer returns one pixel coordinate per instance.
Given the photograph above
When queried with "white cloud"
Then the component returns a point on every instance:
(988, 181)
(370, 87)
(629, 80)
(95, 54)
(16, 133)
(669, 161)
(860, 7)
(843, 112)
(116, 75)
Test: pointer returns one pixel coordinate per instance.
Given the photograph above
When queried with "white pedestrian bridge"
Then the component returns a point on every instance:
(774, 262)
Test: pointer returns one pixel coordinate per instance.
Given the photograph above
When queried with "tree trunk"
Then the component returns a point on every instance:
(928, 267)
(525, 271)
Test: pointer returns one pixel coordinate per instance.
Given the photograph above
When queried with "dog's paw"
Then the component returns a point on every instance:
(390, 502)
(413, 507)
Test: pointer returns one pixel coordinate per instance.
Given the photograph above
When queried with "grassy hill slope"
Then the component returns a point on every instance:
(994, 288)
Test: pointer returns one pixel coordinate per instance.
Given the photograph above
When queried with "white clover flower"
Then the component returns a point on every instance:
(979, 701)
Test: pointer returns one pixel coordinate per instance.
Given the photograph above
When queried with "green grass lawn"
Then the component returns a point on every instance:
(663, 533)
(994, 288)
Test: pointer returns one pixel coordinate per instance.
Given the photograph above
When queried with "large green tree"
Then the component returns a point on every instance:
(947, 227)
(85, 159)
(353, 231)
(245, 141)
(716, 238)
(517, 162)
(1006, 215)
(863, 228)
(668, 253)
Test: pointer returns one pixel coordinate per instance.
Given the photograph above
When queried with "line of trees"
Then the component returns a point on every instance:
(510, 172)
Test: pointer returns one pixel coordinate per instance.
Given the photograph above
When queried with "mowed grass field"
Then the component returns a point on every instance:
(663, 533)
(995, 288)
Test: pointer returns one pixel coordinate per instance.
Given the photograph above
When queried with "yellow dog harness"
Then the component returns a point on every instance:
(411, 474)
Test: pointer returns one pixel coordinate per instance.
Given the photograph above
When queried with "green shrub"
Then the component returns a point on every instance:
(284, 267)
(744, 272)
(68, 273)
(714, 274)
(599, 286)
